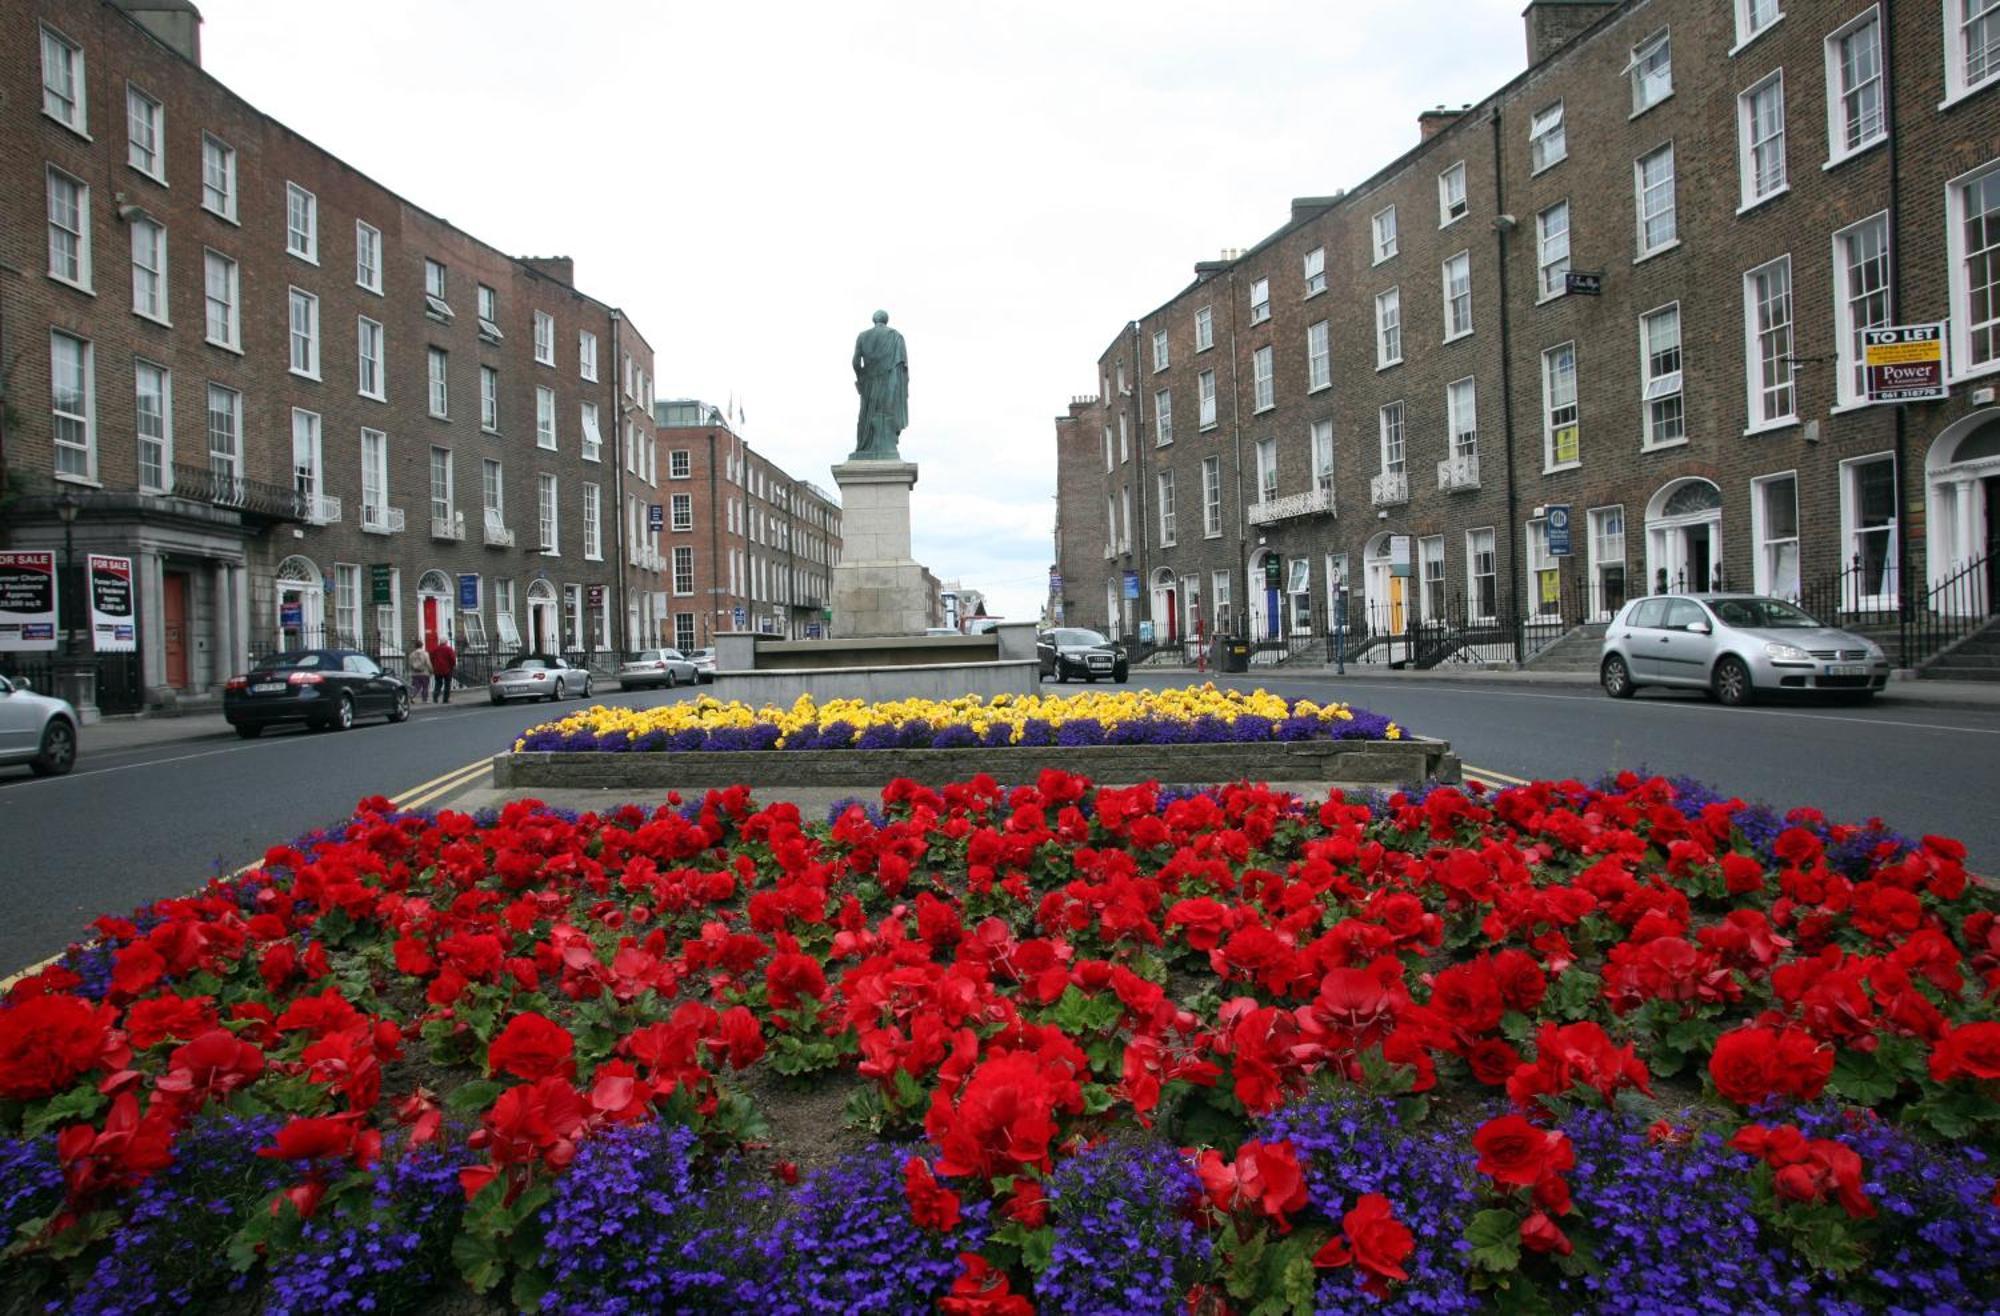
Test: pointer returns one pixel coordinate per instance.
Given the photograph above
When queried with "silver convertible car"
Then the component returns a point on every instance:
(538, 676)
(1736, 647)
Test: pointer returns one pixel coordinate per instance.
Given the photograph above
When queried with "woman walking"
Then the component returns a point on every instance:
(420, 673)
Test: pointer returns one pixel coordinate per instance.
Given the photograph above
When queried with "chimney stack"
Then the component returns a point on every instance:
(1432, 122)
(560, 268)
(176, 24)
(1553, 24)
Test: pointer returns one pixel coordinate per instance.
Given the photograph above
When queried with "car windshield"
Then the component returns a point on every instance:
(1080, 639)
(301, 658)
(1763, 614)
(649, 656)
(529, 665)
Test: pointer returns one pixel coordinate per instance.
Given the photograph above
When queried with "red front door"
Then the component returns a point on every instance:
(1173, 618)
(173, 616)
(430, 621)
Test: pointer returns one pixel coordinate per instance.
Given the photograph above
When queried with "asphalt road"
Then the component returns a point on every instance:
(132, 826)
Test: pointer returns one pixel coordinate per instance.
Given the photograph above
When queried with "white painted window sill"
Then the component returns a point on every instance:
(1771, 426)
(1764, 200)
(1660, 250)
(1856, 153)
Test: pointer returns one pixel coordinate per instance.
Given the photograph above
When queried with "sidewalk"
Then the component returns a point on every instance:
(111, 734)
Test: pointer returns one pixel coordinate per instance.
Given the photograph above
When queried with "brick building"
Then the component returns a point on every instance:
(1394, 389)
(748, 546)
(310, 410)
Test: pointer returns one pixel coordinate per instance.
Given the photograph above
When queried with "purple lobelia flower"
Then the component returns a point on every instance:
(1125, 1235)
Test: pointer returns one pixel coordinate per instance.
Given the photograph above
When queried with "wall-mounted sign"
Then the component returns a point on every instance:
(112, 628)
(1904, 363)
(1131, 584)
(468, 591)
(1399, 555)
(656, 516)
(1558, 526)
(381, 583)
(28, 601)
(596, 593)
(1583, 283)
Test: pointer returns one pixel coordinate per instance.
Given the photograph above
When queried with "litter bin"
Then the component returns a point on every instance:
(1231, 654)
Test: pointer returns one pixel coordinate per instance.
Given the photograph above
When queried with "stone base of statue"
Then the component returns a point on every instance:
(878, 588)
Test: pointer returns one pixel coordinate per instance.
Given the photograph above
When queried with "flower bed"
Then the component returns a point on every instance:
(1622, 1048)
(1195, 715)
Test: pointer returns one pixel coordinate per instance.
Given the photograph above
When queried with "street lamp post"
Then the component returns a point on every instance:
(76, 673)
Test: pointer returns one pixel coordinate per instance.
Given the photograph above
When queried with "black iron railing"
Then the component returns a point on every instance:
(1867, 594)
(204, 484)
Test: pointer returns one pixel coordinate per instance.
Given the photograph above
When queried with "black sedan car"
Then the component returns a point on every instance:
(1072, 653)
(324, 688)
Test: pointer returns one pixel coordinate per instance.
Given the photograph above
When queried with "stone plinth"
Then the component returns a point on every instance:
(878, 589)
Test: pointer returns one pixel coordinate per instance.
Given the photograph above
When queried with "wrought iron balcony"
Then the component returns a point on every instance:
(497, 533)
(448, 527)
(204, 484)
(1459, 472)
(320, 509)
(377, 519)
(1389, 489)
(1314, 502)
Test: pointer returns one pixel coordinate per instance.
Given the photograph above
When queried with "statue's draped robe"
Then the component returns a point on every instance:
(882, 373)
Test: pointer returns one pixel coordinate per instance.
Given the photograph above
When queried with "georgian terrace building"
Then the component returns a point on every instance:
(310, 410)
(1392, 390)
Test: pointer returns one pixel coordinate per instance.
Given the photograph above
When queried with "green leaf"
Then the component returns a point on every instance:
(1038, 1249)
(478, 1259)
(908, 1091)
(1096, 1098)
(1575, 994)
(79, 1103)
(1861, 1078)
(474, 1097)
(1495, 1236)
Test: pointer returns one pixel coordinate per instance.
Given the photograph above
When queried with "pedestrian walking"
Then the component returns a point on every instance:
(420, 673)
(444, 662)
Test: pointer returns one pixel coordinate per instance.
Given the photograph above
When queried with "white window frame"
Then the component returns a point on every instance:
(1204, 328)
(374, 480)
(1389, 328)
(586, 355)
(1958, 82)
(309, 463)
(1392, 434)
(302, 333)
(545, 339)
(1783, 341)
(226, 462)
(1464, 260)
(1169, 529)
(437, 373)
(71, 107)
(1746, 16)
(1161, 351)
(367, 256)
(85, 420)
(1431, 578)
(1838, 149)
(150, 283)
(1462, 417)
(1313, 269)
(1661, 387)
(147, 114)
(1660, 42)
(1320, 436)
(1551, 253)
(1851, 532)
(1477, 549)
(489, 400)
(1163, 417)
(363, 360)
(1643, 195)
(1962, 365)
(1205, 391)
(1267, 470)
(545, 418)
(444, 486)
(1260, 307)
(79, 236)
(214, 152)
(1599, 546)
(547, 518)
(680, 464)
(593, 439)
(1263, 378)
(493, 491)
(1559, 410)
(1548, 139)
(1319, 356)
(232, 304)
(1211, 498)
(1763, 576)
(1452, 193)
(593, 525)
(301, 223)
(1748, 143)
(1851, 389)
(1386, 242)
(683, 562)
(680, 511)
(164, 439)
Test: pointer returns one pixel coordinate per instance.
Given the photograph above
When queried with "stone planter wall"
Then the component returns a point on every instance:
(1385, 763)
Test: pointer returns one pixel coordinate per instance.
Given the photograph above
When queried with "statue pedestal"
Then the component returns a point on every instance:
(878, 589)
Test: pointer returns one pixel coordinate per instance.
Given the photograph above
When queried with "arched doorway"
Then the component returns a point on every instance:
(1382, 589)
(1684, 536)
(1266, 578)
(1962, 510)
(544, 619)
(301, 599)
(1166, 607)
(434, 604)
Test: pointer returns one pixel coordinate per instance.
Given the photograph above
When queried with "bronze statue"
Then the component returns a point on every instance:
(882, 378)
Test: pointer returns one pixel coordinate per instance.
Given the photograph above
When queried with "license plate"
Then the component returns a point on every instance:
(268, 688)
(1847, 669)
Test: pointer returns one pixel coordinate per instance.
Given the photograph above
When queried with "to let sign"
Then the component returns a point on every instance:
(1904, 363)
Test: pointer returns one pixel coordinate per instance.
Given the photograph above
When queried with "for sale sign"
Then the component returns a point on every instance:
(1904, 363)
(27, 601)
(112, 627)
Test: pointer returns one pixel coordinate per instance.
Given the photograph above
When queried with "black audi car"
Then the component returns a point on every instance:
(323, 688)
(1073, 653)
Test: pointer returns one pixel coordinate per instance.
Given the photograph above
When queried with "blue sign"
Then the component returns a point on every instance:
(1558, 526)
(656, 516)
(468, 592)
(1131, 584)
(742, 619)
(292, 615)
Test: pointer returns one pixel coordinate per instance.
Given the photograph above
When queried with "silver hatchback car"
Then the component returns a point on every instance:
(1736, 647)
(36, 730)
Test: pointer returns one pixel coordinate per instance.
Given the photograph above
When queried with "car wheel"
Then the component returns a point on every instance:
(249, 730)
(1617, 678)
(672, 680)
(1122, 675)
(343, 714)
(58, 754)
(1732, 682)
(401, 712)
(586, 686)
(1062, 673)
(555, 692)
(496, 700)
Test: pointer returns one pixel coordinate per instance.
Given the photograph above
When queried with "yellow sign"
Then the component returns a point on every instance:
(1904, 363)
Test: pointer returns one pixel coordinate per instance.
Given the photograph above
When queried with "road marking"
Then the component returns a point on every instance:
(453, 783)
(1488, 774)
(417, 790)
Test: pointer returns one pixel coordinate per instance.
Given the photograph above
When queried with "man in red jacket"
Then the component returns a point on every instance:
(444, 661)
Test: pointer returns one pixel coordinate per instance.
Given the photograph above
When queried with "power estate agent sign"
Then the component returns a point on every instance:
(1904, 363)
(111, 622)
(28, 601)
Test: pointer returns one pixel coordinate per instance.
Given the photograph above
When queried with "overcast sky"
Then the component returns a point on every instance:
(1012, 182)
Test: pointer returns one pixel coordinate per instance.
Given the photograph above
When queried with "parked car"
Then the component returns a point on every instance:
(651, 667)
(1737, 647)
(324, 688)
(1070, 652)
(538, 676)
(36, 730)
(704, 665)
